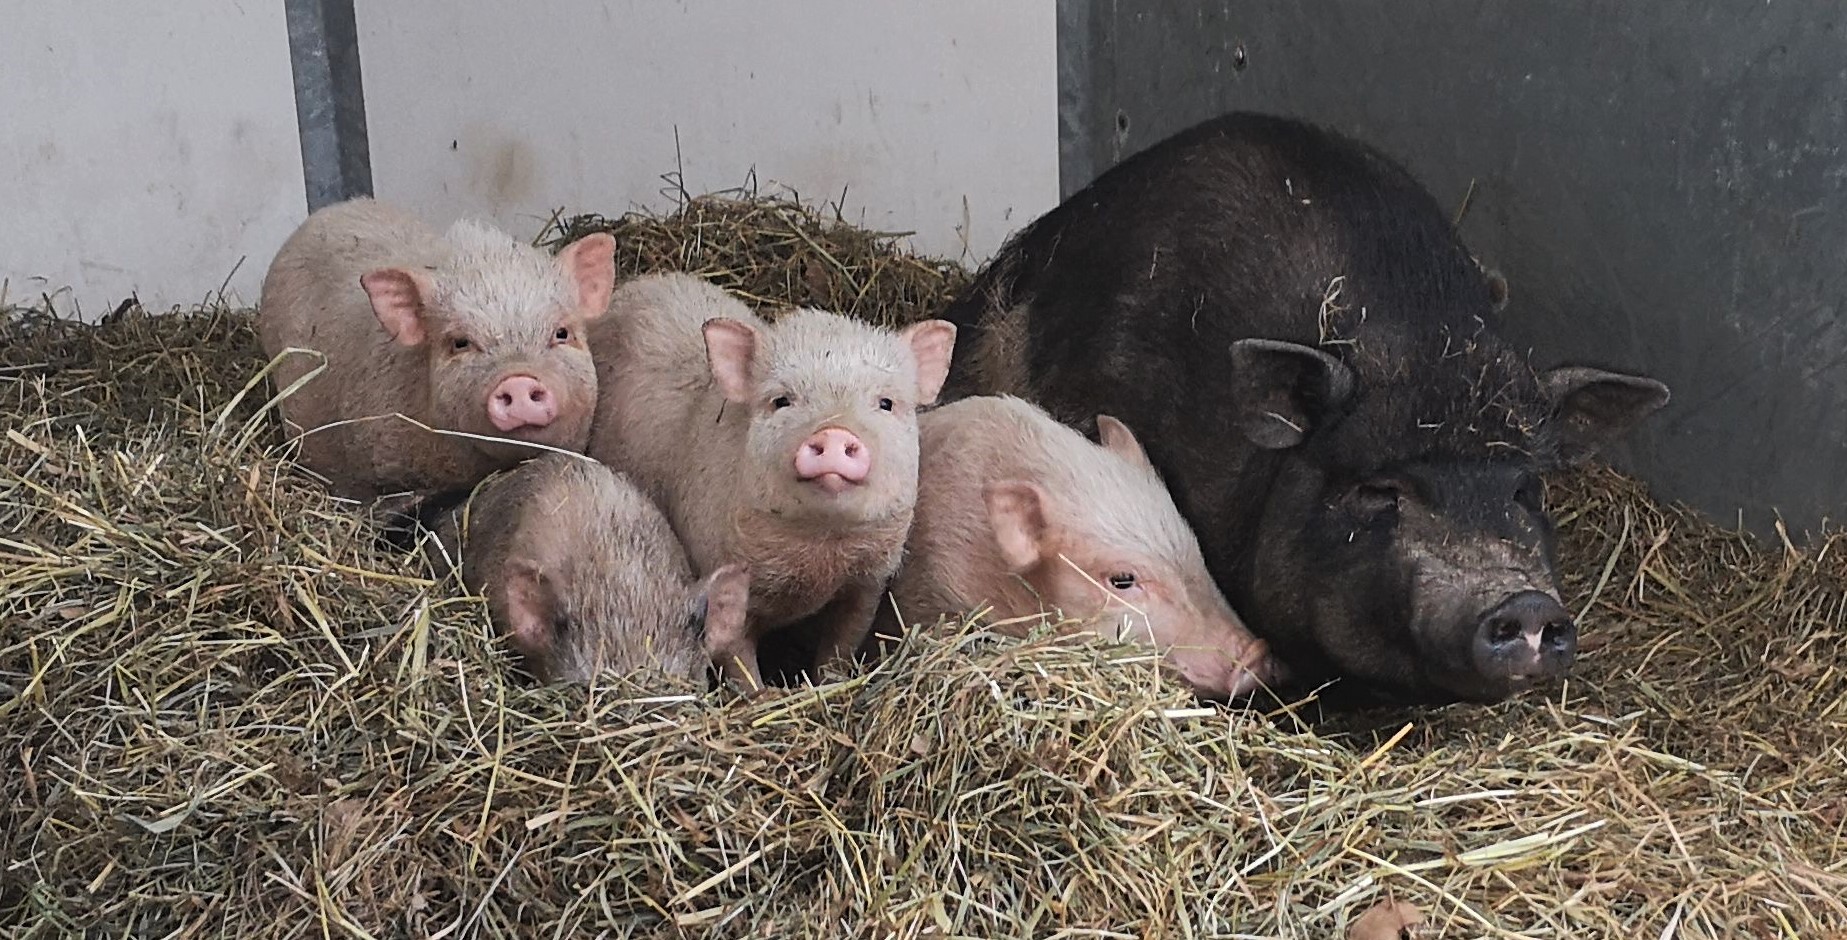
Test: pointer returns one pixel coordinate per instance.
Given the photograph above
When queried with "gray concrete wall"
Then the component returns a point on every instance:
(1661, 183)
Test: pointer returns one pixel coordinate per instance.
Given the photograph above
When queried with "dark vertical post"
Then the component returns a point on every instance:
(329, 100)
(1075, 42)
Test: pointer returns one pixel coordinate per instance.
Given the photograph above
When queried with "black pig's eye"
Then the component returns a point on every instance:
(781, 402)
(1531, 494)
(1122, 580)
(563, 335)
(459, 344)
(1377, 498)
(885, 404)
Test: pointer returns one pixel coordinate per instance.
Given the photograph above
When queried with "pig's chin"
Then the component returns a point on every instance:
(836, 502)
(511, 447)
(516, 445)
(1479, 690)
(1467, 683)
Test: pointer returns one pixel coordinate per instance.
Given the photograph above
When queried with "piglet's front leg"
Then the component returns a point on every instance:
(840, 627)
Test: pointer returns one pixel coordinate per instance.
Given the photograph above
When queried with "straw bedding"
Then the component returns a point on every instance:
(227, 710)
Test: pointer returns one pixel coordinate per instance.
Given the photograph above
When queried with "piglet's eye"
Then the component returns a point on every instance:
(563, 335)
(885, 404)
(460, 343)
(781, 402)
(1122, 580)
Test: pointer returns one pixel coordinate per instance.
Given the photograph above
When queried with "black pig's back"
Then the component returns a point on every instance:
(1243, 226)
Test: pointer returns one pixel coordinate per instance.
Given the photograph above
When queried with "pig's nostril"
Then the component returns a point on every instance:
(1505, 630)
(1528, 636)
(833, 456)
(505, 399)
(538, 395)
(1556, 634)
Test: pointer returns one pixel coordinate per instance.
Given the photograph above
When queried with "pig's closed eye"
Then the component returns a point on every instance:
(1378, 500)
(563, 335)
(460, 344)
(1122, 581)
(1531, 493)
(781, 402)
(885, 404)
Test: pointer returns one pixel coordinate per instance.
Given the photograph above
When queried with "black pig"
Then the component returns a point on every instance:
(1297, 332)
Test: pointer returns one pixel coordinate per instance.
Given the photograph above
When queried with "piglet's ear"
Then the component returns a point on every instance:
(1284, 389)
(398, 298)
(723, 599)
(1016, 513)
(932, 342)
(731, 350)
(590, 263)
(1592, 407)
(1119, 440)
(531, 610)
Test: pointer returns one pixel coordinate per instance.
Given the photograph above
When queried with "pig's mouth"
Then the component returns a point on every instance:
(833, 484)
(1485, 688)
(1257, 671)
(516, 444)
(1227, 677)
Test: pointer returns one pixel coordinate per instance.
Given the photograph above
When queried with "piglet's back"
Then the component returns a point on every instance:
(314, 278)
(952, 562)
(593, 555)
(312, 299)
(651, 371)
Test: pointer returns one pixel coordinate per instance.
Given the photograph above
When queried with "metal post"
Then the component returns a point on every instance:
(329, 100)
(1076, 94)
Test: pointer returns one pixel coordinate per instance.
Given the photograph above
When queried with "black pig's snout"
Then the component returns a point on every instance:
(1529, 636)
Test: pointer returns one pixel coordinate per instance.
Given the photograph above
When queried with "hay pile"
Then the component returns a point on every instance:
(226, 711)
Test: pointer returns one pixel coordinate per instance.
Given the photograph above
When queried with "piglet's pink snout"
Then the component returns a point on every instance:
(1219, 674)
(1255, 670)
(521, 401)
(833, 459)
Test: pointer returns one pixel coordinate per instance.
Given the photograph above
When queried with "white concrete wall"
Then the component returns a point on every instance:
(152, 148)
(144, 148)
(937, 117)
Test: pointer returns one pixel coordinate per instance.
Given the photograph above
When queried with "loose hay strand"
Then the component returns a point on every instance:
(227, 709)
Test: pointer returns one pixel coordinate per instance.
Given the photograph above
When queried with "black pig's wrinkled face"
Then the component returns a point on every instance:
(1432, 574)
(1405, 542)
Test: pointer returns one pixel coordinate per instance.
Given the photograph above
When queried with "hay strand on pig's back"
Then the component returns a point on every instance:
(224, 709)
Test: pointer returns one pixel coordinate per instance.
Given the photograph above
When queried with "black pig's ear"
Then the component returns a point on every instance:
(1498, 291)
(1283, 389)
(1591, 407)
